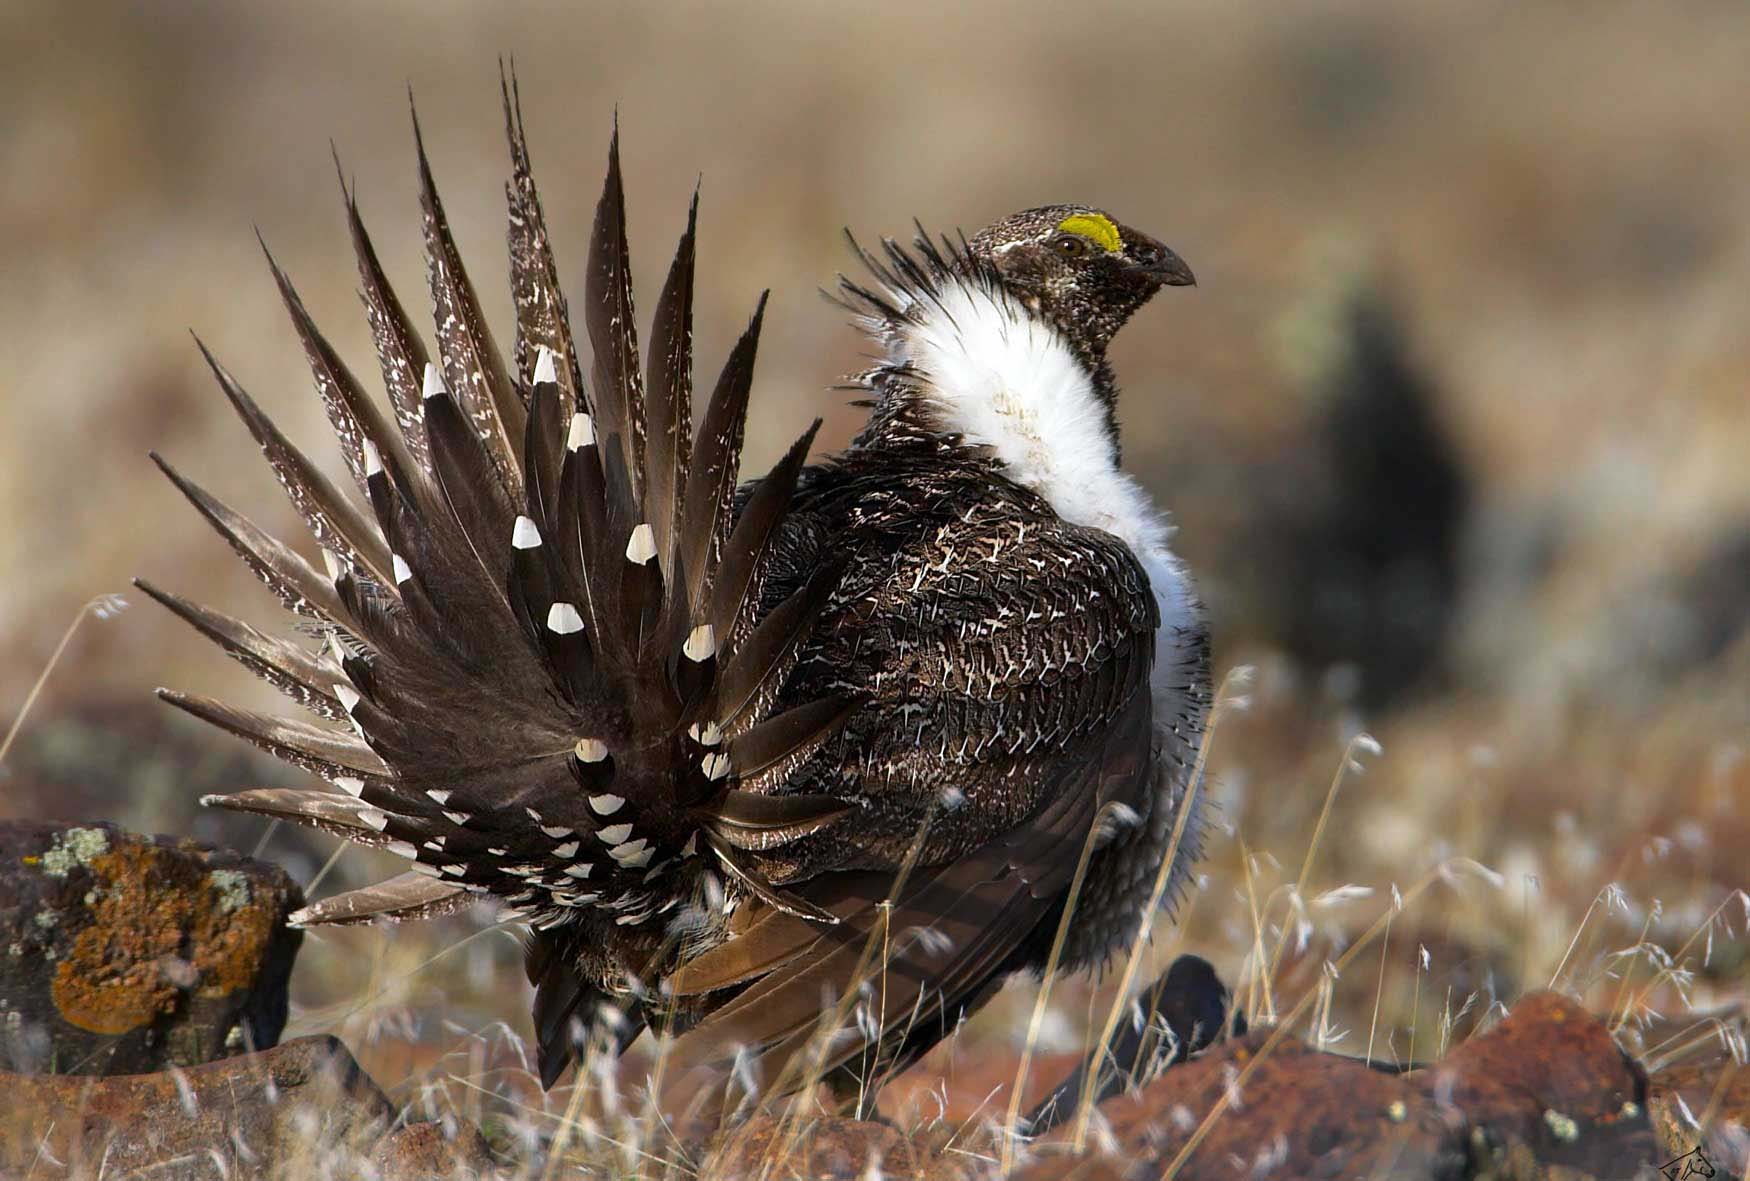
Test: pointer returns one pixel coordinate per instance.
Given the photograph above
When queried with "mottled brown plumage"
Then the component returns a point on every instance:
(845, 732)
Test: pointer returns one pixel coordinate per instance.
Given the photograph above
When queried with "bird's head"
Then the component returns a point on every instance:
(1080, 268)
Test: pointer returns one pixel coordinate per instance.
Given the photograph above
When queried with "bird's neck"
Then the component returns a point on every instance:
(971, 361)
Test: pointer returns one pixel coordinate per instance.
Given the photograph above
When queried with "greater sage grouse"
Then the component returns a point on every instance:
(750, 761)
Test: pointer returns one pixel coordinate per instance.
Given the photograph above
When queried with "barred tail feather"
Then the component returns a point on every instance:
(536, 666)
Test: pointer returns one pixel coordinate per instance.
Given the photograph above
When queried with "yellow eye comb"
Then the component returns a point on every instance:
(1096, 227)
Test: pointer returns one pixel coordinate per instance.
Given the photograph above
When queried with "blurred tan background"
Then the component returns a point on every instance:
(1455, 425)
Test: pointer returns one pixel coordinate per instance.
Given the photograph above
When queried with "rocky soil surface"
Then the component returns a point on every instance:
(136, 965)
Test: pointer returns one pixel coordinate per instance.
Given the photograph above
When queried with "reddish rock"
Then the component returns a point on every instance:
(303, 1109)
(1546, 1094)
(1550, 1080)
(429, 1152)
(1298, 1113)
(121, 953)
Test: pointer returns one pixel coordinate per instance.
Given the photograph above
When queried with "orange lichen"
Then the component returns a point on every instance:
(155, 919)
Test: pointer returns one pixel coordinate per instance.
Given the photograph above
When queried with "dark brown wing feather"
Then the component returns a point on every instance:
(918, 962)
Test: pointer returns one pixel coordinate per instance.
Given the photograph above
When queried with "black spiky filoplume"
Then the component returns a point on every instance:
(728, 749)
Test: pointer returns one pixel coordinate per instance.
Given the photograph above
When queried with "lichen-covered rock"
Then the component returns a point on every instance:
(122, 953)
(303, 1109)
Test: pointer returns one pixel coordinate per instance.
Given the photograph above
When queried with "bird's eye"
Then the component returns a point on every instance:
(1072, 245)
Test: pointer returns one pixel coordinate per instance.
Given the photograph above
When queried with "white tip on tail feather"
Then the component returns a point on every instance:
(433, 384)
(581, 434)
(546, 371)
(615, 834)
(563, 619)
(606, 804)
(402, 570)
(641, 546)
(526, 535)
(591, 750)
(701, 644)
(373, 459)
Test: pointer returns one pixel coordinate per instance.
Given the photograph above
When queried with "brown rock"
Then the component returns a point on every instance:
(1549, 1078)
(301, 1109)
(123, 954)
(427, 1152)
(1297, 1113)
(1544, 1095)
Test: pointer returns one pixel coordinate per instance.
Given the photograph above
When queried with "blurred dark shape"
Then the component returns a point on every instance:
(1688, 619)
(1369, 565)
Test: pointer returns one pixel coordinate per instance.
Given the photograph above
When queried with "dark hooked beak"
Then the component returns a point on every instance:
(1169, 270)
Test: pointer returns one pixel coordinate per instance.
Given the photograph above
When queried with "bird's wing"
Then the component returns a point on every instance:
(1011, 681)
(911, 953)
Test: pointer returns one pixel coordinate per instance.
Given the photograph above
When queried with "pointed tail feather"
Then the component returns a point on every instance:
(546, 679)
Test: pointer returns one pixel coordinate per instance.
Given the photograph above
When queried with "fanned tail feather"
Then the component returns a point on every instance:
(538, 675)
